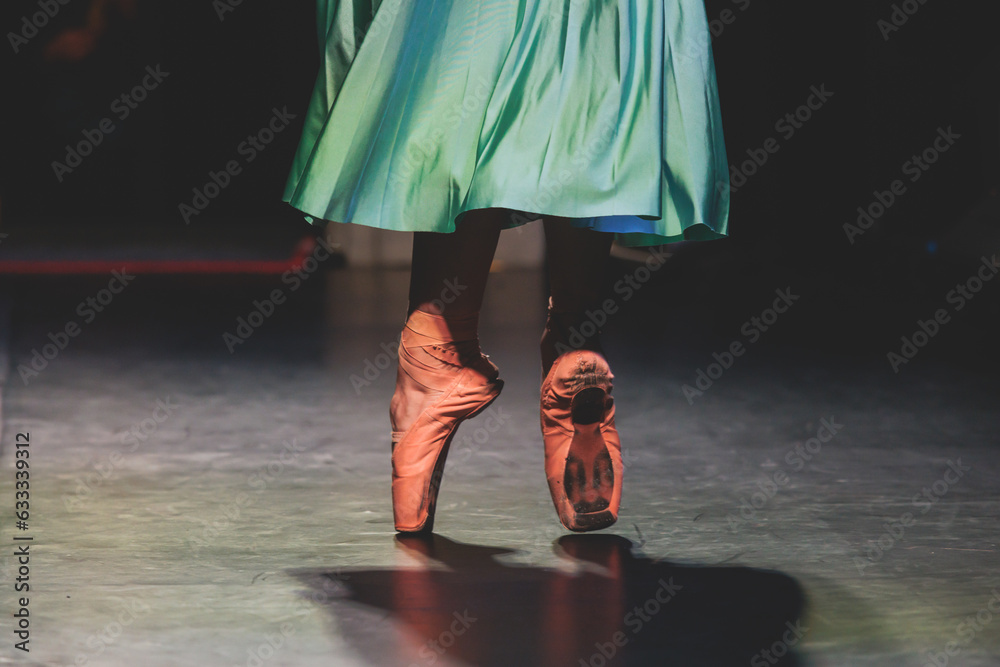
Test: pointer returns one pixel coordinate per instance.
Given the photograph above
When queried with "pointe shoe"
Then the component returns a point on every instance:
(583, 461)
(441, 367)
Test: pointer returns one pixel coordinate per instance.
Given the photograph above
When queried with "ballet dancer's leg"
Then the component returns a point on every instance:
(456, 264)
(577, 261)
(583, 463)
(443, 377)
(448, 279)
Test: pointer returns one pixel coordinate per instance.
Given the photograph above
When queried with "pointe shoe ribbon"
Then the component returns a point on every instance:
(583, 462)
(440, 366)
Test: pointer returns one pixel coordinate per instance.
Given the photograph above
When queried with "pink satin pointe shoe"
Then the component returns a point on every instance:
(443, 378)
(583, 461)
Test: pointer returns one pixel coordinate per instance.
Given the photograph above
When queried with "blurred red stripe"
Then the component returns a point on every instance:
(302, 250)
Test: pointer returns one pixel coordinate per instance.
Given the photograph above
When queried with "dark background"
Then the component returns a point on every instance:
(939, 70)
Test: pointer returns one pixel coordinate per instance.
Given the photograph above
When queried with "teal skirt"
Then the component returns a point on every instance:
(603, 111)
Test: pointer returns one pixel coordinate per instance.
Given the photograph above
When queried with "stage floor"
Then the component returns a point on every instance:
(203, 497)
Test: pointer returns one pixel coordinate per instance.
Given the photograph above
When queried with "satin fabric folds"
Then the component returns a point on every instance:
(604, 111)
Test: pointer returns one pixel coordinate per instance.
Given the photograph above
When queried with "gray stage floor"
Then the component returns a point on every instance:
(190, 505)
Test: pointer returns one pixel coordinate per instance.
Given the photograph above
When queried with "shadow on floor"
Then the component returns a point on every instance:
(615, 609)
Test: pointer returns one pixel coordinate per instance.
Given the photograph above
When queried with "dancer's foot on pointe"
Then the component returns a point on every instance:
(443, 378)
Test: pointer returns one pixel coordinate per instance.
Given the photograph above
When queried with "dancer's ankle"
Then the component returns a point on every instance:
(446, 327)
(565, 332)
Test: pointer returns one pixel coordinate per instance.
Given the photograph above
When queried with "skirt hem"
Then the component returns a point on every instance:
(698, 231)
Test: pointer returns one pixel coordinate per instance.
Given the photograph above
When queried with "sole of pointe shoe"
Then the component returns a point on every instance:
(428, 525)
(583, 523)
(588, 409)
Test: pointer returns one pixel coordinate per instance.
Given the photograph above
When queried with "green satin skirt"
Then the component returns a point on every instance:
(603, 111)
